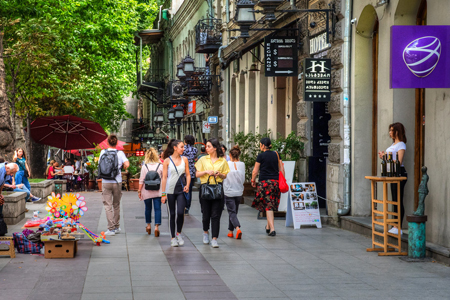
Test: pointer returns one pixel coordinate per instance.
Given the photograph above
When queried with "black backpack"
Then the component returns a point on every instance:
(108, 166)
(152, 180)
(3, 227)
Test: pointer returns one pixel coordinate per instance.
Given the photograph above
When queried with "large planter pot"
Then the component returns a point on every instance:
(249, 190)
(134, 184)
(91, 185)
(99, 183)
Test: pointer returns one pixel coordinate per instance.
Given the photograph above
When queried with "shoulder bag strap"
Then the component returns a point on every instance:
(157, 167)
(182, 185)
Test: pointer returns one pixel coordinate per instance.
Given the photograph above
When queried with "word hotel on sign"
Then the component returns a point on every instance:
(317, 75)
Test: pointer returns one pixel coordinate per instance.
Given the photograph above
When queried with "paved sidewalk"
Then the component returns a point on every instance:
(309, 263)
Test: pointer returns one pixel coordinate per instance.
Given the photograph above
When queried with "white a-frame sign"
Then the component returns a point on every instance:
(303, 205)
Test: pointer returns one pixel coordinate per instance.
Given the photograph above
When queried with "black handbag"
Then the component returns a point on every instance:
(211, 191)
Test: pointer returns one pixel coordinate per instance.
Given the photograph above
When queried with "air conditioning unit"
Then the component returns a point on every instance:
(177, 89)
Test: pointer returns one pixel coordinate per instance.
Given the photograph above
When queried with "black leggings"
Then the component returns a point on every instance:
(180, 202)
(394, 194)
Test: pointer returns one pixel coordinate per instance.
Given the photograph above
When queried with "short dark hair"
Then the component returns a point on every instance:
(223, 146)
(266, 142)
(112, 140)
(2, 160)
(215, 143)
(189, 139)
(203, 149)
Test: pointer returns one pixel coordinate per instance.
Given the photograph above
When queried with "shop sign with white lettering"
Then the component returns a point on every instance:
(317, 79)
(281, 55)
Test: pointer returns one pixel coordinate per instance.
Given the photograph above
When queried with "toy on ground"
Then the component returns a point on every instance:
(94, 237)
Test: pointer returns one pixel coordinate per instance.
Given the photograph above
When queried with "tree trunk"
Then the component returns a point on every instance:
(28, 145)
(6, 132)
(37, 159)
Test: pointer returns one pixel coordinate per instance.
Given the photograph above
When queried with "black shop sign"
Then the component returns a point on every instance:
(281, 56)
(317, 79)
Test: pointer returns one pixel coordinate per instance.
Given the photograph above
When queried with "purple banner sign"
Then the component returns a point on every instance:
(420, 57)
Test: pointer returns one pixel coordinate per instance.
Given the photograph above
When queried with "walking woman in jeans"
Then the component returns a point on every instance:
(175, 182)
(213, 164)
(151, 198)
(24, 171)
(268, 192)
(233, 187)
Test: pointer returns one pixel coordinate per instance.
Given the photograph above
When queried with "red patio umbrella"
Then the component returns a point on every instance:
(67, 132)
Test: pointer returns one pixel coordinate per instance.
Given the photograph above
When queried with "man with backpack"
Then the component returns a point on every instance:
(109, 170)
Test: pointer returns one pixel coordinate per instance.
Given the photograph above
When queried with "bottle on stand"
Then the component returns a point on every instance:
(390, 166)
(398, 168)
(383, 166)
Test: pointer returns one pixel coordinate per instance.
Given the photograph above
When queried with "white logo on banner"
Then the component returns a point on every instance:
(422, 55)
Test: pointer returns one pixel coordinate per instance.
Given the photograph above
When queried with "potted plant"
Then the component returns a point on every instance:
(135, 171)
(92, 167)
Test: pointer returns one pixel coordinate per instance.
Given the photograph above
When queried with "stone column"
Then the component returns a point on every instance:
(249, 123)
(261, 102)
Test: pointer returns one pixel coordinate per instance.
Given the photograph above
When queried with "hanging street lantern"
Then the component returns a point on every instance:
(269, 7)
(180, 72)
(188, 66)
(179, 114)
(245, 16)
(158, 118)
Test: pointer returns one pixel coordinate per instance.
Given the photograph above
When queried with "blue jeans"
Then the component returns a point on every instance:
(20, 178)
(25, 190)
(148, 210)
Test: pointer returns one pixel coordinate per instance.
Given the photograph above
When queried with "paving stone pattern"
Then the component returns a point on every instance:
(309, 263)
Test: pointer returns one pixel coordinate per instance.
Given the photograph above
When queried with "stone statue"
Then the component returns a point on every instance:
(423, 192)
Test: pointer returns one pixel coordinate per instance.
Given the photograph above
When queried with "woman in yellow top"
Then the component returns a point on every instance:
(213, 164)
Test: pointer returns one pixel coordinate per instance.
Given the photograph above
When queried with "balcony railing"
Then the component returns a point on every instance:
(208, 35)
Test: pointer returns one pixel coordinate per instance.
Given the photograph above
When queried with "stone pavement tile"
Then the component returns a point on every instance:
(107, 280)
(310, 292)
(155, 269)
(196, 277)
(67, 285)
(259, 298)
(14, 282)
(143, 272)
(101, 288)
(101, 272)
(109, 266)
(272, 293)
(183, 283)
(169, 295)
(108, 296)
(205, 288)
(16, 293)
(150, 276)
(156, 281)
(210, 295)
(54, 296)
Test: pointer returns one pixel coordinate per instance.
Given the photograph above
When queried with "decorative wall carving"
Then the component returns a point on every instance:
(336, 79)
(334, 128)
(301, 128)
(301, 109)
(334, 153)
(334, 106)
(335, 53)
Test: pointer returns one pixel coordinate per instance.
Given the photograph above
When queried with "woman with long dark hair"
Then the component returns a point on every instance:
(20, 158)
(215, 165)
(398, 149)
(175, 182)
(268, 192)
(190, 152)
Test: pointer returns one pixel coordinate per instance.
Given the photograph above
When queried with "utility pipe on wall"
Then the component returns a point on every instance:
(346, 49)
(159, 20)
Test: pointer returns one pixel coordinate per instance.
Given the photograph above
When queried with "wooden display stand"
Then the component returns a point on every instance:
(8, 240)
(382, 218)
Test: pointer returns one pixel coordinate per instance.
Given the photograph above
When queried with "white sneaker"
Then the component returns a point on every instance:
(174, 242)
(214, 244)
(180, 239)
(110, 232)
(205, 238)
(394, 230)
(117, 230)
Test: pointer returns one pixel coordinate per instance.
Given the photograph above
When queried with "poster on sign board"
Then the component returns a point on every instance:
(304, 205)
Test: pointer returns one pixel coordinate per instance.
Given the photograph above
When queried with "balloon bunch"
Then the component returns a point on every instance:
(69, 206)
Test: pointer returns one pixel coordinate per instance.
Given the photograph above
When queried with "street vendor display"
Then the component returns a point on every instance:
(60, 230)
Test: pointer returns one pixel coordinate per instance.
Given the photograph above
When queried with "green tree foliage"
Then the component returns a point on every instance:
(73, 57)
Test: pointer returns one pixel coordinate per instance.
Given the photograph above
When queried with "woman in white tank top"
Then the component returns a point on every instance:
(175, 182)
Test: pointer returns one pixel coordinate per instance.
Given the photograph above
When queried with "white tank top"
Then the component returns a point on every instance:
(172, 176)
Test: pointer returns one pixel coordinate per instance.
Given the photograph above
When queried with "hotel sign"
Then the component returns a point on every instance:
(281, 56)
(317, 79)
(318, 43)
(420, 57)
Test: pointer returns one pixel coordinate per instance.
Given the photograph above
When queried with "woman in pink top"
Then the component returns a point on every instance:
(151, 163)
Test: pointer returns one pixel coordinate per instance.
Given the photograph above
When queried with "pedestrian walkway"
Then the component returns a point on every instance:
(309, 263)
